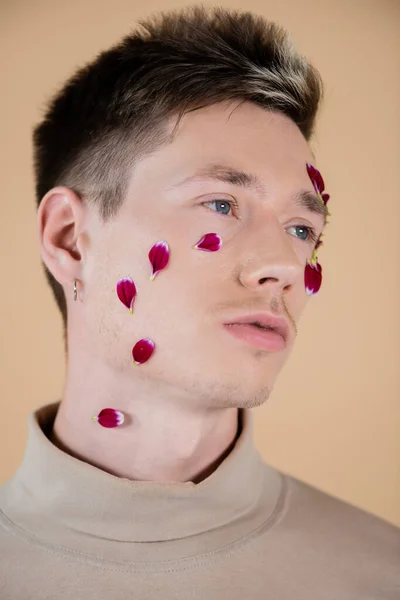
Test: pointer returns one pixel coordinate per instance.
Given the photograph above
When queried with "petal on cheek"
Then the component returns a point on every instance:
(159, 257)
(211, 242)
(142, 351)
(109, 417)
(312, 278)
(126, 291)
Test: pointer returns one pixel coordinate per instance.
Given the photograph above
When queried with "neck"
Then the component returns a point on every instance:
(161, 440)
(85, 505)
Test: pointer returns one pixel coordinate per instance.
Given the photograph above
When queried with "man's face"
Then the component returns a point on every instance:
(259, 268)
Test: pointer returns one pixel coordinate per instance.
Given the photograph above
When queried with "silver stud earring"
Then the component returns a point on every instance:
(75, 291)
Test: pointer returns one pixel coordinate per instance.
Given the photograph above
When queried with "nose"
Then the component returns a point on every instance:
(269, 261)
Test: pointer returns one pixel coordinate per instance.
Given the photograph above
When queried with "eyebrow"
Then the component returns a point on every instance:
(305, 199)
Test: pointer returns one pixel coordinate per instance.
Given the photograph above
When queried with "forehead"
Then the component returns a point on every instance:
(254, 140)
(247, 128)
(247, 148)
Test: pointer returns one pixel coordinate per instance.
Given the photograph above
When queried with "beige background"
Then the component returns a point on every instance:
(334, 417)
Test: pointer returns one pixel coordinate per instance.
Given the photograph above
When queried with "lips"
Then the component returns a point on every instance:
(261, 330)
(265, 320)
(263, 339)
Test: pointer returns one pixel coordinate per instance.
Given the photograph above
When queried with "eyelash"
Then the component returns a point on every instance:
(312, 234)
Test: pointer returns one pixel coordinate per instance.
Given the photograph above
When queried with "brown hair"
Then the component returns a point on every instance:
(114, 110)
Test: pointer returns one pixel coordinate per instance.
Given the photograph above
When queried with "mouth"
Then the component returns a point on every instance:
(264, 337)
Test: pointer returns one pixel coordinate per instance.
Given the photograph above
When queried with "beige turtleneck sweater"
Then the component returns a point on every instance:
(69, 530)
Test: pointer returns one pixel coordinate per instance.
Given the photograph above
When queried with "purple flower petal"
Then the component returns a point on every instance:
(159, 257)
(142, 351)
(109, 417)
(126, 291)
(312, 277)
(210, 242)
(325, 198)
(316, 178)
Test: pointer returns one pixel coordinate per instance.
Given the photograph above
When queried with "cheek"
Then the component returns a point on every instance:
(160, 304)
(104, 314)
(297, 302)
(175, 298)
(178, 296)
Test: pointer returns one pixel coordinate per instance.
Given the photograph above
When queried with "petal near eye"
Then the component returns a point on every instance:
(210, 242)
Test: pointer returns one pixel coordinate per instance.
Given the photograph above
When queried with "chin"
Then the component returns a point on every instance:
(218, 394)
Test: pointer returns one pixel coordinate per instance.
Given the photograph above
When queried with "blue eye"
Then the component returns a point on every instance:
(308, 234)
(225, 205)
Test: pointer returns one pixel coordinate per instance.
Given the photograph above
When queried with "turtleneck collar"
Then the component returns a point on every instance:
(241, 493)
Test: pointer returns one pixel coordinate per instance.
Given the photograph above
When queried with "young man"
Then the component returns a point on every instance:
(179, 214)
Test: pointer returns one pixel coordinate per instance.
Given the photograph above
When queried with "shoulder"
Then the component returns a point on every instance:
(349, 529)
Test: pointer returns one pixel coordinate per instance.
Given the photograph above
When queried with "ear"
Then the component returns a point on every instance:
(61, 235)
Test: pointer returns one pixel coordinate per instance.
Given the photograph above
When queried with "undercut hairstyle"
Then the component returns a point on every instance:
(115, 110)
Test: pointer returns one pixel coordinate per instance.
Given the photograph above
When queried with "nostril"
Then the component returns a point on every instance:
(264, 279)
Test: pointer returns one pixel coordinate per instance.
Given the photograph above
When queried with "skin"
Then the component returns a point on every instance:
(182, 405)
